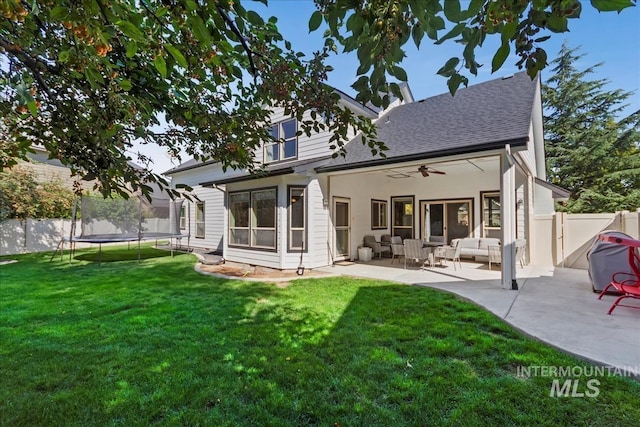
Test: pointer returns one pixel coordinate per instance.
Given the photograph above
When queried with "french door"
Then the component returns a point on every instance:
(450, 219)
(342, 225)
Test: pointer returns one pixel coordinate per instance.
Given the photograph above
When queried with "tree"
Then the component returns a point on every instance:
(22, 196)
(588, 151)
(88, 78)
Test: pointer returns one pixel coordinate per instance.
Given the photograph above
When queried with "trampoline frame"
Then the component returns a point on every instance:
(112, 238)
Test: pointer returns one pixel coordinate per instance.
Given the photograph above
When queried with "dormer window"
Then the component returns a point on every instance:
(285, 145)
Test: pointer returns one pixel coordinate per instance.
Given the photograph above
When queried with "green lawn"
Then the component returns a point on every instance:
(129, 343)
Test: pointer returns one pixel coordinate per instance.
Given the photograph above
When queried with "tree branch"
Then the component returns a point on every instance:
(243, 42)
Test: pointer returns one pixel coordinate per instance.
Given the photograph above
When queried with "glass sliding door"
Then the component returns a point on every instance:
(402, 217)
(446, 220)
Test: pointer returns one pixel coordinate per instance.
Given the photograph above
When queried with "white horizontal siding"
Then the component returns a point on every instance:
(214, 219)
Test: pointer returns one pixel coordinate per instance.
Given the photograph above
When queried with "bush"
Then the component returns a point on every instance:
(22, 196)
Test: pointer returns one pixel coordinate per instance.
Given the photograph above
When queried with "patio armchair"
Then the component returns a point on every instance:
(521, 246)
(376, 247)
(495, 253)
(452, 253)
(415, 251)
(397, 248)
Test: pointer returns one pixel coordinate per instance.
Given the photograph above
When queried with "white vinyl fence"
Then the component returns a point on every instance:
(560, 239)
(564, 240)
(32, 235)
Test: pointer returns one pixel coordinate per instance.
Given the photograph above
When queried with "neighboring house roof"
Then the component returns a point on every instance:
(482, 117)
(189, 164)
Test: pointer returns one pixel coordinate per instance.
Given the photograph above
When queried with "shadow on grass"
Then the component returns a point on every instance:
(156, 343)
(120, 254)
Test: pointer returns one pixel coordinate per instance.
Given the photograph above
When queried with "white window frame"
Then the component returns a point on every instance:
(381, 208)
(184, 209)
(277, 131)
(200, 220)
(487, 211)
(252, 224)
(292, 229)
(232, 222)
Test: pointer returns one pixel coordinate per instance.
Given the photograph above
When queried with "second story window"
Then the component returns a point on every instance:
(286, 144)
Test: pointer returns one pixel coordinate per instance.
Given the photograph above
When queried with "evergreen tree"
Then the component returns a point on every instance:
(588, 151)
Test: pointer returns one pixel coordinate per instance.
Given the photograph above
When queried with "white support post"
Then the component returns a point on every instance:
(508, 218)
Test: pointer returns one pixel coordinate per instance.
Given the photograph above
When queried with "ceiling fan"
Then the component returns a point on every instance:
(426, 170)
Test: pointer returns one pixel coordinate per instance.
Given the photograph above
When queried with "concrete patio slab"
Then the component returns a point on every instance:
(555, 305)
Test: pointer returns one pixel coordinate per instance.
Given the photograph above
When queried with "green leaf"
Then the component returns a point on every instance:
(125, 84)
(417, 33)
(200, 30)
(452, 10)
(455, 31)
(63, 56)
(161, 11)
(474, 8)
(94, 77)
(177, 55)
(508, 31)
(399, 73)
(58, 13)
(131, 31)
(449, 68)
(161, 65)
(455, 81)
(315, 21)
(191, 5)
(557, 24)
(501, 55)
(254, 18)
(611, 5)
(132, 49)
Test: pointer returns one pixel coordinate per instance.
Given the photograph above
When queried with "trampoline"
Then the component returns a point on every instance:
(123, 220)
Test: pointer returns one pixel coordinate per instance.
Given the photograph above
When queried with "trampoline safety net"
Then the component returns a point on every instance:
(129, 219)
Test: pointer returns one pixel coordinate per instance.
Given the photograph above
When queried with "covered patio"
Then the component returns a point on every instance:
(555, 305)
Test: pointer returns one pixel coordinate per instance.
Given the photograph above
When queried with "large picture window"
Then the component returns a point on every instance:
(285, 145)
(252, 219)
(297, 219)
(378, 214)
(200, 220)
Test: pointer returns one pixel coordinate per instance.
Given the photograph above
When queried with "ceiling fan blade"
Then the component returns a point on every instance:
(426, 170)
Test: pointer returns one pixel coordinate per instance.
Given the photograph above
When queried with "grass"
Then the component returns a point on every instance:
(155, 343)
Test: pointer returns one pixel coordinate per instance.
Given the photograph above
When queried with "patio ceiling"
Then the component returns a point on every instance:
(462, 166)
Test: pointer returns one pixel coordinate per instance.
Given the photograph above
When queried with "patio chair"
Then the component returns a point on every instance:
(415, 252)
(627, 283)
(397, 248)
(377, 247)
(452, 253)
(521, 247)
(495, 255)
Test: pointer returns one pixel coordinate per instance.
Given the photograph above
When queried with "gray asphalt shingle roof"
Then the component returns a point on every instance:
(481, 117)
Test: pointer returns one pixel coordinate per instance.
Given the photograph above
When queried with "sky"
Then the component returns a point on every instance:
(609, 38)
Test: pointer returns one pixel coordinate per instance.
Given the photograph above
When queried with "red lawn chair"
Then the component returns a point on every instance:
(628, 284)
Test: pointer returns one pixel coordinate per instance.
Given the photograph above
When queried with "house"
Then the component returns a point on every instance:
(471, 165)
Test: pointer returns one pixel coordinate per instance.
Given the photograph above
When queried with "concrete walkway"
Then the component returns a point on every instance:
(555, 305)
